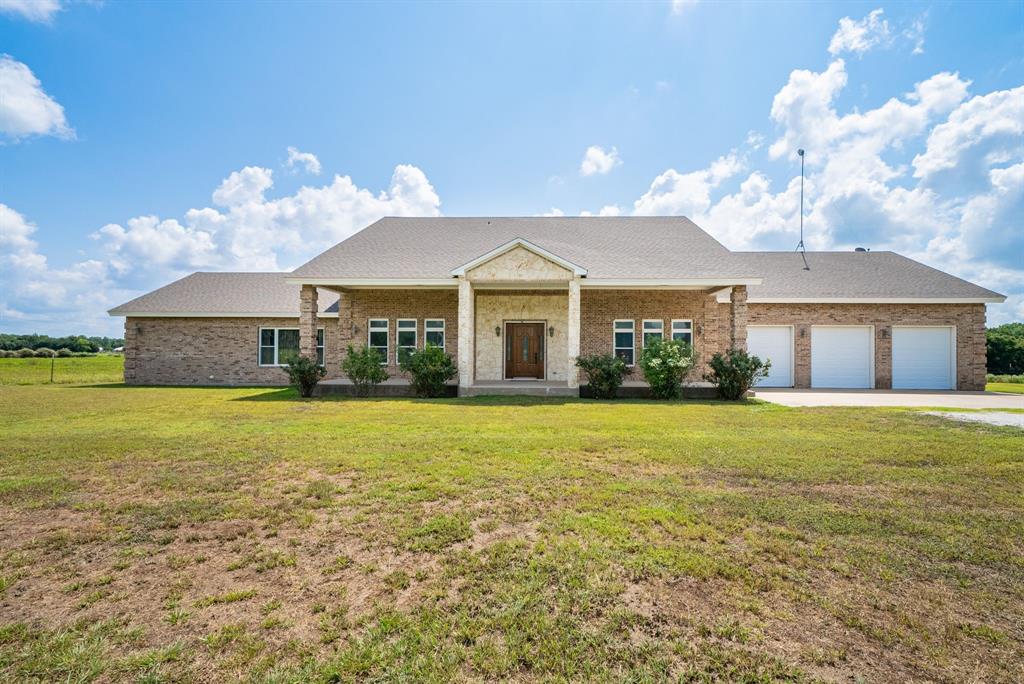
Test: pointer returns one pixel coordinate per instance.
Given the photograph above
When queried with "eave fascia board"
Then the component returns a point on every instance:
(208, 314)
(374, 282)
(525, 244)
(666, 283)
(873, 300)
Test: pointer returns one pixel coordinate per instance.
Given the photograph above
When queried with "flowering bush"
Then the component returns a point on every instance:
(364, 367)
(604, 374)
(304, 373)
(736, 372)
(665, 363)
(431, 369)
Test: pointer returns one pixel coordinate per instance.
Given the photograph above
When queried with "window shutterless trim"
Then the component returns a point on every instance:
(632, 336)
(398, 336)
(427, 330)
(660, 330)
(672, 329)
(386, 329)
(320, 346)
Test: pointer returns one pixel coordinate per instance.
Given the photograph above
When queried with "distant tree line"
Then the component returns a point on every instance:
(1005, 349)
(75, 343)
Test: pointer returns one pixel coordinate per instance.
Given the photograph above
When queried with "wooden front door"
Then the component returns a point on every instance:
(524, 350)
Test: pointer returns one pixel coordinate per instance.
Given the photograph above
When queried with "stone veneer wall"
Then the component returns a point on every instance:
(969, 320)
(356, 307)
(600, 308)
(204, 351)
(495, 307)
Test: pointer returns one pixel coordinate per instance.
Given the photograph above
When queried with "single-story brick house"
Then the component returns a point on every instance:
(520, 298)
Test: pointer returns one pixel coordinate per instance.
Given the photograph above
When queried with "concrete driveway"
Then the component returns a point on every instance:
(962, 400)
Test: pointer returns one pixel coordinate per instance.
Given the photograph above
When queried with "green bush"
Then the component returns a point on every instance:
(44, 353)
(1004, 349)
(430, 368)
(4, 354)
(364, 367)
(665, 363)
(63, 353)
(304, 373)
(604, 374)
(736, 372)
(1011, 379)
(25, 353)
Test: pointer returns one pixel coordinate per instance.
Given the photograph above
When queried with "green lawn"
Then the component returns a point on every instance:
(154, 534)
(1012, 387)
(72, 370)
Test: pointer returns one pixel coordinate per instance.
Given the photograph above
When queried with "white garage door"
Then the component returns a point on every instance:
(775, 343)
(923, 358)
(841, 357)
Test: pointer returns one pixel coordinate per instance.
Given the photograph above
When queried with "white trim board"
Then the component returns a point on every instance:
(869, 300)
(525, 244)
(218, 314)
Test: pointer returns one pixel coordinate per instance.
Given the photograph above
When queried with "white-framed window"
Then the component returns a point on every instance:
(653, 330)
(377, 337)
(623, 340)
(278, 346)
(683, 330)
(406, 337)
(433, 332)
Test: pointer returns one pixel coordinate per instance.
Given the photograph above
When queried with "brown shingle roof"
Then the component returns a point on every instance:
(219, 294)
(608, 247)
(853, 275)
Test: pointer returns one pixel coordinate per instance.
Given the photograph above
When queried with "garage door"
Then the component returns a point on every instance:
(841, 357)
(775, 343)
(923, 358)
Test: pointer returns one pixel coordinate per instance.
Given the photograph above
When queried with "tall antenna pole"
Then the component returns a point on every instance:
(800, 245)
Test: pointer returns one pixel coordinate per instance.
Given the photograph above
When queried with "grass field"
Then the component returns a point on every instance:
(66, 371)
(209, 534)
(1012, 387)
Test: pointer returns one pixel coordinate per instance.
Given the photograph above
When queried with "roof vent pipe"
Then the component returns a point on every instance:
(861, 249)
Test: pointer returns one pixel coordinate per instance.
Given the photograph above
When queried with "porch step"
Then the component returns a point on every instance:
(519, 390)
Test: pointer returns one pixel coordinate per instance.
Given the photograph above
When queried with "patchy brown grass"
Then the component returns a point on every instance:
(222, 534)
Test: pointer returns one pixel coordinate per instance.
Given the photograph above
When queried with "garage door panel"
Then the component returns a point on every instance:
(923, 357)
(842, 357)
(775, 343)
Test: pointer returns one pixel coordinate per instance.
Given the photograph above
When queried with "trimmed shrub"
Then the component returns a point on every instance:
(4, 354)
(45, 352)
(735, 373)
(364, 367)
(1011, 379)
(64, 353)
(304, 373)
(604, 374)
(25, 353)
(431, 369)
(665, 363)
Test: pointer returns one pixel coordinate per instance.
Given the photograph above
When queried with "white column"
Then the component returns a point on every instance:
(467, 335)
(573, 333)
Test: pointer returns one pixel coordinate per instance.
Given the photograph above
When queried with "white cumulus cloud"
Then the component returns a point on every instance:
(307, 160)
(596, 160)
(25, 108)
(41, 11)
(860, 36)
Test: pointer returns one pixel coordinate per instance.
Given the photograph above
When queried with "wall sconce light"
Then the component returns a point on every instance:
(700, 330)
(355, 330)
(497, 331)
(803, 333)
(885, 333)
(551, 331)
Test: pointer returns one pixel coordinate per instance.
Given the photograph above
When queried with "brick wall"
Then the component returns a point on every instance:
(969, 320)
(600, 308)
(358, 306)
(203, 351)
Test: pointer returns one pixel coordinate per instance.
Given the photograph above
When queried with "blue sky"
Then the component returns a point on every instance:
(143, 141)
